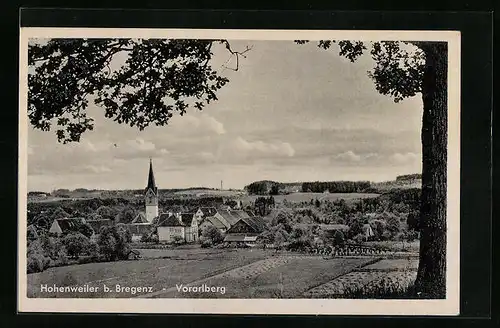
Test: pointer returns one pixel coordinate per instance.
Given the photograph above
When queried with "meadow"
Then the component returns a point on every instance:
(244, 273)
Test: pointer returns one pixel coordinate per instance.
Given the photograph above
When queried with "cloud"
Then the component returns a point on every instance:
(348, 156)
(198, 124)
(140, 145)
(277, 148)
(405, 158)
(95, 169)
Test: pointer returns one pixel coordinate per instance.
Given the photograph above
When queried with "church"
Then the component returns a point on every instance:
(170, 226)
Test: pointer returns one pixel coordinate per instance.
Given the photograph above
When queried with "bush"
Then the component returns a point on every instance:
(178, 240)
(207, 243)
(113, 244)
(359, 238)
(36, 259)
(76, 244)
(213, 234)
(338, 238)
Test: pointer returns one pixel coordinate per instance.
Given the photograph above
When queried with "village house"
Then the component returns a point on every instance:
(245, 231)
(139, 226)
(212, 221)
(182, 226)
(66, 225)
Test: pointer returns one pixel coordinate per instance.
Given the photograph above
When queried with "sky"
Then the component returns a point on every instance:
(290, 113)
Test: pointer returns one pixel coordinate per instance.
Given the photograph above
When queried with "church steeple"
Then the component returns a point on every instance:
(151, 195)
(151, 178)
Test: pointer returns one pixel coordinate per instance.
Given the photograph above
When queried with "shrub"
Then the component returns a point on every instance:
(178, 240)
(113, 244)
(207, 243)
(213, 234)
(338, 238)
(76, 244)
(52, 246)
(359, 238)
(36, 259)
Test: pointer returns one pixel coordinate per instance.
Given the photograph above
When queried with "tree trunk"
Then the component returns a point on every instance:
(431, 277)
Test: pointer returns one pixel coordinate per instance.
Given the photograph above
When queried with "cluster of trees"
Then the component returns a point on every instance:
(263, 205)
(409, 177)
(267, 187)
(336, 186)
(46, 250)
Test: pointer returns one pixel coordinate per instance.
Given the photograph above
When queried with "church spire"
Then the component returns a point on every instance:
(151, 178)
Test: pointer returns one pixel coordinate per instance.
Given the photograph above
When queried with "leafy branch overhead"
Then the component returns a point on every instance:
(399, 66)
(155, 79)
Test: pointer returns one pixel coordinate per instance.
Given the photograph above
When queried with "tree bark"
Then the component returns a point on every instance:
(431, 277)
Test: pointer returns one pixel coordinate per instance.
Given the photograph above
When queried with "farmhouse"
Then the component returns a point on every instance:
(137, 230)
(230, 217)
(182, 226)
(65, 225)
(212, 221)
(246, 230)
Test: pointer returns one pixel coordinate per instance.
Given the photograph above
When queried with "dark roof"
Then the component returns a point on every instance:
(140, 218)
(138, 228)
(208, 211)
(215, 222)
(257, 223)
(229, 217)
(69, 224)
(250, 212)
(151, 178)
(187, 218)
(240, 214)
(98, 224)
(167, 220)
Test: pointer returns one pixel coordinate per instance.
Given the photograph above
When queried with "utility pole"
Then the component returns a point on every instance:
(220, 184)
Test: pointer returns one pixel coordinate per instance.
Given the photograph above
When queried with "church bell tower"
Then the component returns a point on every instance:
(151, 195)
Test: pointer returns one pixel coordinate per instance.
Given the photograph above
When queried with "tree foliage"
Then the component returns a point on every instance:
(159, 77)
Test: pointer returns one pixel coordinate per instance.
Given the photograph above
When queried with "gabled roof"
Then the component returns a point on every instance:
(240, 214)
(256, 223)
(167, 220)
(230, 217)
(215, 222)
(98, 224)
(69, 224)
(187, 218)
(140, 218)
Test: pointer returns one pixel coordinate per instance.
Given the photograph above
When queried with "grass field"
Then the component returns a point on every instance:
(243, 273)
(156, 273)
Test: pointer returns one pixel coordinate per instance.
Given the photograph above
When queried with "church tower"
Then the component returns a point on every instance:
(151, 195)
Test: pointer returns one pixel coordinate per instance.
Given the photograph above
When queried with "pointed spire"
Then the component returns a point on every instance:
(151, 177)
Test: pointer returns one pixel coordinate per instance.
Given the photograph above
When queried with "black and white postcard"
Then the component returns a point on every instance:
(239, 171)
